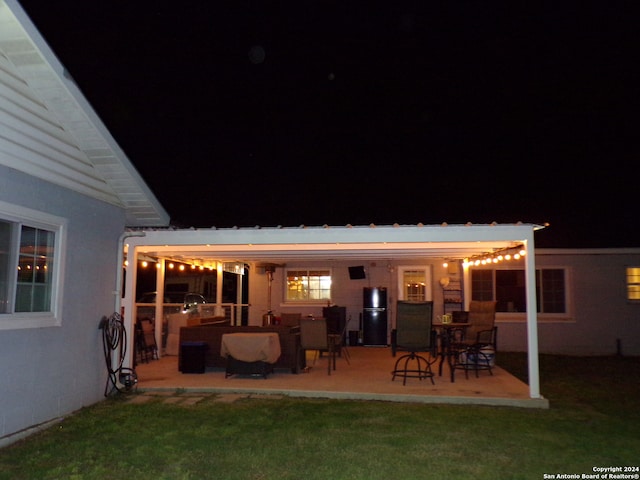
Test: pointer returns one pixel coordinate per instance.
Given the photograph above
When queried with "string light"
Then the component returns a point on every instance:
(509, 253)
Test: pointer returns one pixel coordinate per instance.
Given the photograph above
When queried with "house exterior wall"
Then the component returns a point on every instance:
(47, 373)
(345, 292)
(599, 322)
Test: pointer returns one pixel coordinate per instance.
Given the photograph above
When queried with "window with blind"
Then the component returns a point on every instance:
(633, 283)
(507, 287)
(308, 285)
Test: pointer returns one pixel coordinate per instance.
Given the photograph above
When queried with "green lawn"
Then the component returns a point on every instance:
(593, 421)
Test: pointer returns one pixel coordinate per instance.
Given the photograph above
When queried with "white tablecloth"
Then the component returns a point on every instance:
(251, 347)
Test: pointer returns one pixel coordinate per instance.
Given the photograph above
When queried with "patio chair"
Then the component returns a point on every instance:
(339, 345)
(476, 350)
(146, 340)
(314, 336)
(414, 334)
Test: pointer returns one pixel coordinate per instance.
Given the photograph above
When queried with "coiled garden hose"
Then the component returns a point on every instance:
(114, 340)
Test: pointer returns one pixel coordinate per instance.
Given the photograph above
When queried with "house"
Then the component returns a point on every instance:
(73, 208)
(67, 193)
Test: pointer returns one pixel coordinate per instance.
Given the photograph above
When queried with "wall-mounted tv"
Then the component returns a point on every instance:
(357, 273)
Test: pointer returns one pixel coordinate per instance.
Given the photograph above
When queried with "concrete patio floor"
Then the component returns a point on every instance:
(367, 377)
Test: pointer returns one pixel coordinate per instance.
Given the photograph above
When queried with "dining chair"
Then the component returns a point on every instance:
(314, 336)
(481, 318)
(339, 344)
(476, 350)
(414, 334)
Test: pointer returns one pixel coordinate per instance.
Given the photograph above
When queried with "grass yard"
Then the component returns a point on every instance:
(593, 421)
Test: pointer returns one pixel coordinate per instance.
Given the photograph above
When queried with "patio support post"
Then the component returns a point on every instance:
(466, 285)
(159, 315)
(219, 282)
(532, 319)
(237, 308)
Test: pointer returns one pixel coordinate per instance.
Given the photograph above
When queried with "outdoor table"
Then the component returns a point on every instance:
(446, 339)
(250, 352)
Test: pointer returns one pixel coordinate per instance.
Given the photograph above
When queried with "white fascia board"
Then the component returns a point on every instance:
(339, 235)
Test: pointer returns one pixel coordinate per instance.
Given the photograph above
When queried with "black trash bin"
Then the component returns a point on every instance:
(192, 357)
(353, 338)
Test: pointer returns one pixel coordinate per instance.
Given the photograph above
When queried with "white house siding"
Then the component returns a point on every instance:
(600, 316)
(50, 372)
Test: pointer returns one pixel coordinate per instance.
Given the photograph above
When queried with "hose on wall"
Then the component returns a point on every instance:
(114, 344)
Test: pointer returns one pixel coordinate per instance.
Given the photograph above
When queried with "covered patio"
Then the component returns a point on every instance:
(369, 374)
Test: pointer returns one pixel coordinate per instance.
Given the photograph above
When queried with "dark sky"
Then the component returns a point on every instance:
(331, 112)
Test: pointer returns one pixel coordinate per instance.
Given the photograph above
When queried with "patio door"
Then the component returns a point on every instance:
(414, 283)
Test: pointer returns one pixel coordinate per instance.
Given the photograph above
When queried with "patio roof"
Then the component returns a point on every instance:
(325, 243)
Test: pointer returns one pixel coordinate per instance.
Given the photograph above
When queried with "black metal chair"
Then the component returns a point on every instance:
(414, 334)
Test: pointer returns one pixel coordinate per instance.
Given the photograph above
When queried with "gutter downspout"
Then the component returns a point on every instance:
(117, 292)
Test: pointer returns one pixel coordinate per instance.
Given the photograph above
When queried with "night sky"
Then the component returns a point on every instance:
(321, 112)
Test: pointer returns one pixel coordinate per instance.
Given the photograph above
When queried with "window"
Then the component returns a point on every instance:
(511, 294)
(633, 283)
(308, 285)
(414, 283)
(482, 285)
(550, 285)
(35, 264)
(510, 291)
(29, 267)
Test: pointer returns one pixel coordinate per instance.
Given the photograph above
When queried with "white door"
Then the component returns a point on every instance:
(414, 283)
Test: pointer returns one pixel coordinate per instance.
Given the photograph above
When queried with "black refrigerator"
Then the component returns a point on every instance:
(374, 317)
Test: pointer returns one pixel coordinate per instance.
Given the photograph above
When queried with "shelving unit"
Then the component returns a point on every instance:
(452, 297)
